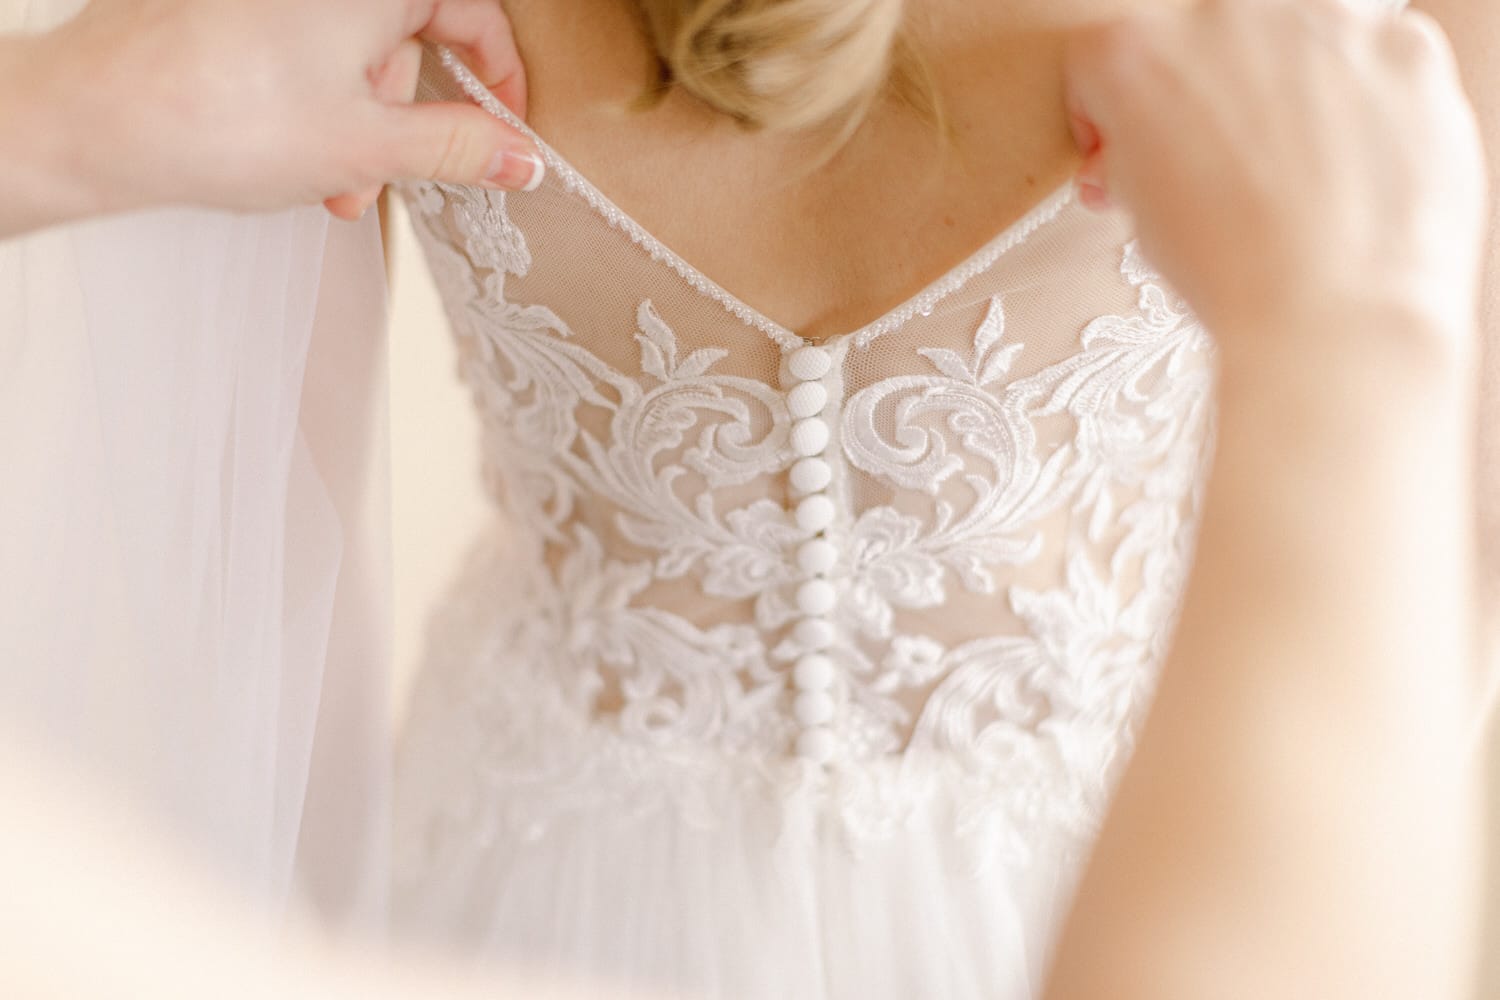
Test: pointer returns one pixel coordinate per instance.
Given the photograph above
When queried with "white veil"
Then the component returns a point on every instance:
(194, 578)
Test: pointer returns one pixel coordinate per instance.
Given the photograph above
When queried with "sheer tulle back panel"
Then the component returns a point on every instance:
(1011, 465)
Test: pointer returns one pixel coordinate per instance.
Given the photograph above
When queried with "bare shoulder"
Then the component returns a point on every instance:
(581, 51)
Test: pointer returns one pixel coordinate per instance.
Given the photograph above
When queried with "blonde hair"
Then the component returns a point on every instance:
(787, 64)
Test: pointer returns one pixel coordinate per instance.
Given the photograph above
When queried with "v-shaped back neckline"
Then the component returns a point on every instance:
(922, 303)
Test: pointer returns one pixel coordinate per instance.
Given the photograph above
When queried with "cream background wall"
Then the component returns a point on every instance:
(436, 498)
(438, 504)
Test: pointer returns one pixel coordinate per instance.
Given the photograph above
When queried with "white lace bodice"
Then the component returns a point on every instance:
(954, 537)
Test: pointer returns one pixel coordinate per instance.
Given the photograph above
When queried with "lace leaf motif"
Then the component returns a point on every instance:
(1043, 708)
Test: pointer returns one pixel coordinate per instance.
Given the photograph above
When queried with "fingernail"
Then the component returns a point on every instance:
(1093, 195)
(516, 170)
(1085, 135)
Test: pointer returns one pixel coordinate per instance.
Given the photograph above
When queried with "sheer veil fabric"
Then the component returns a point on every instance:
(194, 566)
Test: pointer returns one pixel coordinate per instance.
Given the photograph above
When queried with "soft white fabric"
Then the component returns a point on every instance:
(194, 574)
(621, 760)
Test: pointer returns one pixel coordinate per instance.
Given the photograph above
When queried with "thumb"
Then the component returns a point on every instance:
(458, 144)
(1105, 65)
(1093, 174)
(1102, 65)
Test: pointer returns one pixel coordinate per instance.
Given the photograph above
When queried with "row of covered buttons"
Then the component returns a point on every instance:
(813, 676)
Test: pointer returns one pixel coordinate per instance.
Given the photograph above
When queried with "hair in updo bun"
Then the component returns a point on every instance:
(783, 64)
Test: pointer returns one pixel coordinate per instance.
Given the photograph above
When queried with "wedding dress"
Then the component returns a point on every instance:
(791, 669)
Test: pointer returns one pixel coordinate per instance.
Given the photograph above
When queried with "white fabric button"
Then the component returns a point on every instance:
(814, 633)
(815, 513)
(810, 475)
(814, 672)
(809, 363)
(817, 556)
(813, 708)
(807, 400)
(816, 597)
(809, 437)
(815, 744)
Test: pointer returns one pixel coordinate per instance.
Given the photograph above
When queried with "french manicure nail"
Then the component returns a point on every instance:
(516, 170)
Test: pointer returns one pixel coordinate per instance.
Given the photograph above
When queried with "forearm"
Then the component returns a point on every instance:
(1474, 26)
(96, 905)
(1300, 818)
(43, 177)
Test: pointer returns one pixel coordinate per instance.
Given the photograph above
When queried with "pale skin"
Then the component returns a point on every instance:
(1226, 849)
(101, 904)
(265, 105)
(1475, 32)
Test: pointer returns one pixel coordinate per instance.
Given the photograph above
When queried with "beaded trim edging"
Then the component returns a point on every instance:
(921, 304)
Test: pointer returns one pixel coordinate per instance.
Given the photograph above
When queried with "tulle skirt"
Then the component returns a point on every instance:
(542, 842)
(663, 907)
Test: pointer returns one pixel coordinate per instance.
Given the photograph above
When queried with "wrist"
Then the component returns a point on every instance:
(38, 173)
(1341, 503)
(1359, 379)
(1414, 330)
(60, 157)
(1366, 413)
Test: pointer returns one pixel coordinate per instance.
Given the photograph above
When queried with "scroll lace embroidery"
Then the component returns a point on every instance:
(640, 500)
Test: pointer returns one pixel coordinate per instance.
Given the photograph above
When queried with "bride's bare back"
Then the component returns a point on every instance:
(819, 249)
